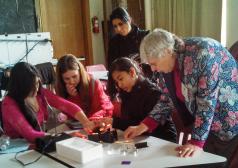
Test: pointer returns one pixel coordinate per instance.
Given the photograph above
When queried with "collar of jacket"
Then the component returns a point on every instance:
(133, 33)
(136, 88)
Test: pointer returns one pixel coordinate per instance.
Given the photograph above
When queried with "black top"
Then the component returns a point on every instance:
(125, 46)
(180, 106)
(137, 104)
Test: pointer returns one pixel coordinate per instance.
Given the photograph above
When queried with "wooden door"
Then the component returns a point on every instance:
(136, 10)
(69, 24)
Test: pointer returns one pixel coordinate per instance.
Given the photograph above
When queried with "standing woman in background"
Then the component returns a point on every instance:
(24, 109)
(76, 85)
(126, 42)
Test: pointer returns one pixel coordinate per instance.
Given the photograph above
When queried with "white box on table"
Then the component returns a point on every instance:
(79, 150)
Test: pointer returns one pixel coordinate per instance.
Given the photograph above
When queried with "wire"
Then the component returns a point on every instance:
(1, 129)
(45, 40)
(26, 41)
(29, 51)
(8, 55)
(54, 114)
(25, 164)
(38, 158)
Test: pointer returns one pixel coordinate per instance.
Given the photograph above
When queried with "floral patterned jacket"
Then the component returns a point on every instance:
(209, 76)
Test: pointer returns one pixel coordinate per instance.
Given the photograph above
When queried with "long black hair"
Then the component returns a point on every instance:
(120, 13)
(21, 83)
(120, 64)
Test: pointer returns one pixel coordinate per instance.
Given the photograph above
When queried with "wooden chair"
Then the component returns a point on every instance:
(48, 75)
(96, 68)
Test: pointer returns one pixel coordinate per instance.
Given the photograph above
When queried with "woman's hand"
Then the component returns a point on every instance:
(104, 123)
(133, 131)
(71, 90)
(188, 150)
(89, 126)
(62, 117)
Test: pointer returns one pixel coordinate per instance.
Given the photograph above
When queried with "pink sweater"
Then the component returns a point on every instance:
(15, 124)
(101, 105)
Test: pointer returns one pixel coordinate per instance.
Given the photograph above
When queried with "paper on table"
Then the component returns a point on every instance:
(16, 145)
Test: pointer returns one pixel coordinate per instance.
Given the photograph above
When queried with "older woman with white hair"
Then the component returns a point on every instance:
(204, 77)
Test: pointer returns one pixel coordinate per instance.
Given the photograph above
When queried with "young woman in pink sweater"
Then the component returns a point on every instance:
(76, 85)
(24, 109)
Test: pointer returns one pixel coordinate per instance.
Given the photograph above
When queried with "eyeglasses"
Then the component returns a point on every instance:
(118, 25)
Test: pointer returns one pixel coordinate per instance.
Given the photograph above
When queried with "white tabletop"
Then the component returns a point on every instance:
(8, 161)
(159, 154)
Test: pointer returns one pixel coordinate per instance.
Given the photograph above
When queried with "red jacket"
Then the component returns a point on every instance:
(101, 105)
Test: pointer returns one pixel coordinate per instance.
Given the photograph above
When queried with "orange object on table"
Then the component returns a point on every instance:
(79, 134)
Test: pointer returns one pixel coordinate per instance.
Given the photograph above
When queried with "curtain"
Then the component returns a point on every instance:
(188, 17)
(119, 3)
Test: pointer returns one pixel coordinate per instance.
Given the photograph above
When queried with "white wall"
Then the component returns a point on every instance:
(96, 9)
(232, 22)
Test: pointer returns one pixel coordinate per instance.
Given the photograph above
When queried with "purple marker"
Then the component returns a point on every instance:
(125, 162)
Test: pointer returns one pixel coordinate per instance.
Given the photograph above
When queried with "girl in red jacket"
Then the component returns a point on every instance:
(76, 85)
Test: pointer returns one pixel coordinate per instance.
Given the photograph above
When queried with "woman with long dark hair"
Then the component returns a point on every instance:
(127, 38)
(24, 109)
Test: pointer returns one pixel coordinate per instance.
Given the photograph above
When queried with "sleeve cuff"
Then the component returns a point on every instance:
(150, 123)
(197, 143)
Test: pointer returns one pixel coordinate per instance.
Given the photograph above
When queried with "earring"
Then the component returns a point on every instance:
(135, 76)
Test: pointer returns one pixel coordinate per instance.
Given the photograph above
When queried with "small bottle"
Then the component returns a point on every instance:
(4, 140)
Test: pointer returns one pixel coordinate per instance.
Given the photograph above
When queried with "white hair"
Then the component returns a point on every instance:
(155, 43)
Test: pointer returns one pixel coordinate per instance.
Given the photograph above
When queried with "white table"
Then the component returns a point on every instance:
(8, 161)
(159, 154)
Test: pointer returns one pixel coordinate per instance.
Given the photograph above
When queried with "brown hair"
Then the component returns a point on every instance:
(70, 62)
